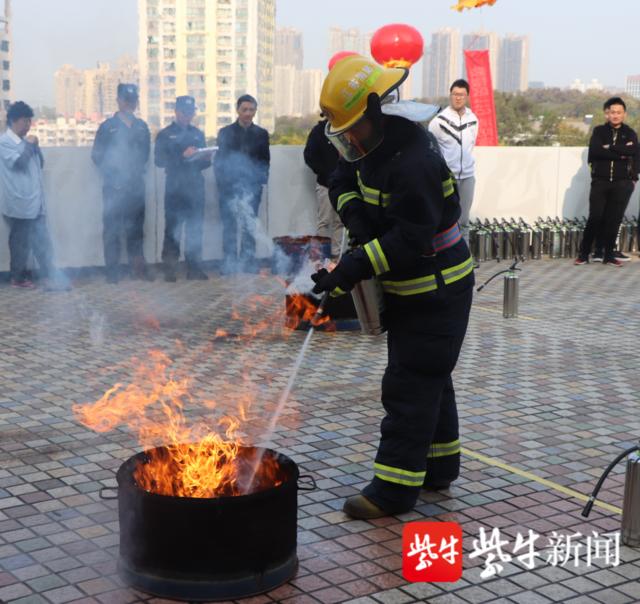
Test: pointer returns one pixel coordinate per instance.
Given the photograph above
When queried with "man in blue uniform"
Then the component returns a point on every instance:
(176, 151)
(398, 200)
(242, 169)
(121, 152)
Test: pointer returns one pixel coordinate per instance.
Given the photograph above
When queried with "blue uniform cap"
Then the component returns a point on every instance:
(128, 92)
(186, 104)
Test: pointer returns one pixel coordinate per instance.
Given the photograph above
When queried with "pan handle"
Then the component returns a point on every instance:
(306, 482)
(107, 493)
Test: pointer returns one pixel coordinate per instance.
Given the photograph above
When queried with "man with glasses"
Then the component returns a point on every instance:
(456, 130)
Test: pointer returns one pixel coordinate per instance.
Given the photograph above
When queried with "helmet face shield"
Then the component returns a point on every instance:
(359, 140)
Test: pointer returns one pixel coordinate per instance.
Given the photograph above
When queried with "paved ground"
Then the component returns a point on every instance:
(552, 395)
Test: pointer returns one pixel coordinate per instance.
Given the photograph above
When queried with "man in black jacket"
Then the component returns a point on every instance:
(615, 164)
(121, 152)
(177, 152)
(241, 167)
(322, 157)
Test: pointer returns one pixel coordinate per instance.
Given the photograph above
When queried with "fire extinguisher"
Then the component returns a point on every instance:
(631, 506)
(511, 283)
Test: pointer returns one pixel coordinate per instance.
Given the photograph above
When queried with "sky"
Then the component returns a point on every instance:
(569, 38)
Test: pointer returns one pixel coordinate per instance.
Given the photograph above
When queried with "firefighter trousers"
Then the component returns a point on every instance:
(419, 443)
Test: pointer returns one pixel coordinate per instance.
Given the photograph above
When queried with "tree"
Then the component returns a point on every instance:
(292, 130)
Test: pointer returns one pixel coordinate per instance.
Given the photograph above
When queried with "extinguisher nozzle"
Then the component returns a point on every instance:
(587, 508)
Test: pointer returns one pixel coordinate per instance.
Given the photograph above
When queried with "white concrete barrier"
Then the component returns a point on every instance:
(511, 181)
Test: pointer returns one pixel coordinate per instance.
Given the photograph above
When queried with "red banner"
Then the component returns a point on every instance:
(482, 104)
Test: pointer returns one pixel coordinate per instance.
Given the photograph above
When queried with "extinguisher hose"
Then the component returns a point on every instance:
(592, 498)
(511, 269)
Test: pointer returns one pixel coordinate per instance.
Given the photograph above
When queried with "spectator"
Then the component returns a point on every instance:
(615, 164)
(121, 152)
(456, 130)
(241, 168)
(176, 151)
(322, 157)
(24, 206)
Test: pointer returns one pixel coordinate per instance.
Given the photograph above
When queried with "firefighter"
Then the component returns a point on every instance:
(399, 202)
(177, 152)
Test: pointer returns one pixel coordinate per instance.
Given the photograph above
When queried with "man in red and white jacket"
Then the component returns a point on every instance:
(456, 130)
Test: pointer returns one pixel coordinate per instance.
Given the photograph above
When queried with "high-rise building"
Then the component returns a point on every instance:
(285, 90)
(513, 71)
(483, 41)
(441, 63)
(6, 63)
(288, 47)
(63, 132)
(69, 91)
(633, 86)
(297, 91)
(349, 39)
(309, 87)
(91, 92)
(213, 50)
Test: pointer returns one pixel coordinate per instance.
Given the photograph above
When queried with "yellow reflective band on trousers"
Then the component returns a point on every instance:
(399, 476)
(428, 283)
(444, 449)
(337, 292)
(448, 188)
(376, 257)
(455, 273)
(345, 197)
(371, 195)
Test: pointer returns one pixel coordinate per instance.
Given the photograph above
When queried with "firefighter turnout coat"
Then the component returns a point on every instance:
(405, 196)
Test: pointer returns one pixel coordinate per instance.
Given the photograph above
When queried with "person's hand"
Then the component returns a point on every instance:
(340, 280)
(324, 280)
(189, 152)
(32, 139)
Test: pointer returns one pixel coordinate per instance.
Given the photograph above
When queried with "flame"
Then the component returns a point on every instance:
(183, 460)
(469, 4)
(301, 309)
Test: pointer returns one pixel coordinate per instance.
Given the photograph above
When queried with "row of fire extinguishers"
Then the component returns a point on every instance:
(554, 237)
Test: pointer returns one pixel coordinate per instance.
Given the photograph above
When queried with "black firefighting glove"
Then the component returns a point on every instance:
(342, 278)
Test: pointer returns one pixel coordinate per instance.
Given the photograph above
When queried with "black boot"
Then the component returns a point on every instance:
(112, 274)
(170, 272)
(140, 270)
(195, 273)
(358, 506)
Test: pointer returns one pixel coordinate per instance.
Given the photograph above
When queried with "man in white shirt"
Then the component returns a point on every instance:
(23, 206)
(456, 130)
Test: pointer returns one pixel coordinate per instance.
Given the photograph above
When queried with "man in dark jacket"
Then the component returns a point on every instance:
(615, 164)
(322, 157)
(121, 152)
(398, 199)
(241, 167)
(176, 151)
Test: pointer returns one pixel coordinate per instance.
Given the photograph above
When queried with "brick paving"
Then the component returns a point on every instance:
(553, 394)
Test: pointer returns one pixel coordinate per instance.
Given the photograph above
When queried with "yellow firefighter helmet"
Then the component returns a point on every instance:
(344, 100)
(346, 89)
